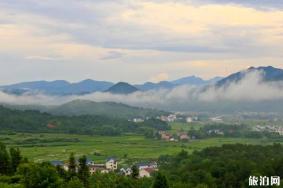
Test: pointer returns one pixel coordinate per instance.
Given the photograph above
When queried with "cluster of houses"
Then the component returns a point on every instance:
(191, 119)
(215, 132)
(169, 118)
(138, 120)
(217, 119)
(182, 136)
(145, 169)
(111, 165)
(269, 128)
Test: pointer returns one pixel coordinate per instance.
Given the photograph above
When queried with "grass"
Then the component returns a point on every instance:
(125, 148)
(179, 127)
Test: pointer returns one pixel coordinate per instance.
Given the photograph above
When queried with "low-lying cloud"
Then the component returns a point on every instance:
(251, 90)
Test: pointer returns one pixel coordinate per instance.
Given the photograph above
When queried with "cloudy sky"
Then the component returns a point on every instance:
(137, 40)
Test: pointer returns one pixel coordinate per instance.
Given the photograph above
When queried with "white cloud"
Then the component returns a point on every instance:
(249, 91)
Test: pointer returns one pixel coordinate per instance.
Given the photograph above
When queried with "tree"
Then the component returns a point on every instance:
(61, 172)
(4, 160)
(39, 176)
(135, 172)
(16, 159)
(74, 183)
(83, 171)
(160, 181)
(124, 182)
(72, 167)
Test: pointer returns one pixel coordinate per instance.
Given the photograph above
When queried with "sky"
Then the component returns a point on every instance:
(137, 40)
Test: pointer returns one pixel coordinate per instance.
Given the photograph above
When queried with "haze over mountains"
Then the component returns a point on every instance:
(269, 74)
(251, 90)
(62, 87)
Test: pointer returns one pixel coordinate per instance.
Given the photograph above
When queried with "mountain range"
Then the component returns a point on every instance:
(61, 87)
(268, 74)
(58, 87)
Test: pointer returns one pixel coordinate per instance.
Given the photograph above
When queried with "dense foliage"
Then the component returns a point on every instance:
(34, 121)
(231, 130)
(109, 109)
(44, 175)
(226, 166)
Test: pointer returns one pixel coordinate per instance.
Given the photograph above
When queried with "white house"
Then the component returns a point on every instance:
(189, 120)
(111, 164)
(138, 120)
(126, 171)
(97, 168)
(147, 165)
(146, 172)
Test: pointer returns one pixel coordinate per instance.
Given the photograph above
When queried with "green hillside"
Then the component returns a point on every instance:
(109, 109)
(34, 121)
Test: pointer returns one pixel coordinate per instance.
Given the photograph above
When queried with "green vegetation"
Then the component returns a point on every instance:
(202, 130)
(127, 147)
(36, 122)
(109, 109)
(44, 175)
(226, 166)
(232, 131)
(180, 126)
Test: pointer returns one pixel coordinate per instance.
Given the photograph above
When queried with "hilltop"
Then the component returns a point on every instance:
(109, 109)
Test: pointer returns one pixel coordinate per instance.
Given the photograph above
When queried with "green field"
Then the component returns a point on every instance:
(179, 127)
(44, 147)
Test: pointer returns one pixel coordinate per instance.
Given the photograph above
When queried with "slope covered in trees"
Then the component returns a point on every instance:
(109, 109)
(34, 121)
(226, 166)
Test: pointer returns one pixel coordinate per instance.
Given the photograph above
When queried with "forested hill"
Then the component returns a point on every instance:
(34, 121)
(110, 109)
(225, 166)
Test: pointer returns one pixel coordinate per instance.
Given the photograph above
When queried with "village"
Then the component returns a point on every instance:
(145, 169)
(269, 128)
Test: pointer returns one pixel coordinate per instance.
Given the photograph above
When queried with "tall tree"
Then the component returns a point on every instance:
(135, 171)
(74, 183)
(83, 171)
(4, 160)
(61, 172)
(160, 181)
(16, 158)
(39, 176)
(72, 167)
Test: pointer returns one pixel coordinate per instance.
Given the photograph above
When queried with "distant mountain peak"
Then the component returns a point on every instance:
(58, 87)
(270, 73)
(122, 88)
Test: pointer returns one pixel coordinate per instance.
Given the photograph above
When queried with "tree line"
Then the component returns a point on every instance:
(17, 172)
(216, 167)
(226, 166)
(36, 122)
(231, 130)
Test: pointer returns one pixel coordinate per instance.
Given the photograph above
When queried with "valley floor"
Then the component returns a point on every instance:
(128, 148)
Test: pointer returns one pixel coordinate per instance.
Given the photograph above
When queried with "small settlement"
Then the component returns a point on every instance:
(111, 165)
(269, 128)
(181, 136)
